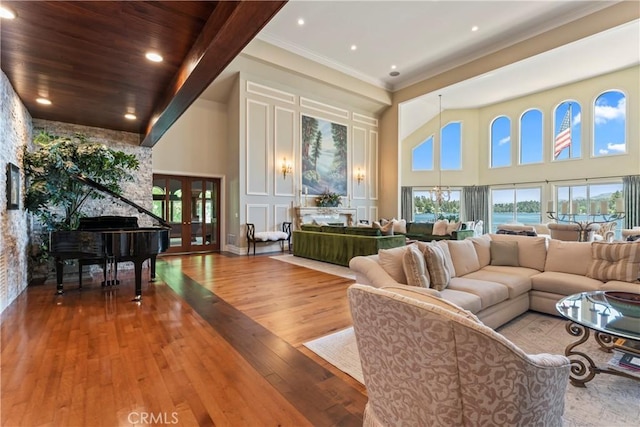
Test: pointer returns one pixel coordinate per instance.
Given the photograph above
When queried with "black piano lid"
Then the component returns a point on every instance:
(102, 188)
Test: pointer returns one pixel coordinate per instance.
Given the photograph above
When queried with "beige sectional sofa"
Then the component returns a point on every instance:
(544, 271)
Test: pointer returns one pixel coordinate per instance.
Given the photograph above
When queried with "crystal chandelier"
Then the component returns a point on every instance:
(440, 194)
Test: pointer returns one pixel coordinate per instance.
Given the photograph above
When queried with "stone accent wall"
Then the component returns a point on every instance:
(138, 190)
(15, 134)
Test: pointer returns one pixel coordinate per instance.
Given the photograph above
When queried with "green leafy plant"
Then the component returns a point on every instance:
(52, 194)
(328, 199)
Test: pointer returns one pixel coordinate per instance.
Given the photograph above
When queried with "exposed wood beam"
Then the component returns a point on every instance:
(231, 26)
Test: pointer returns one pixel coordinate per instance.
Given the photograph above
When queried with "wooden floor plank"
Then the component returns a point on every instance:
(217, 340)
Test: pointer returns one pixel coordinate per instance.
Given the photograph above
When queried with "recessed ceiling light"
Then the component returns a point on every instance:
(43, 101)
(153, 56)
(6, 13)
(474, 28)
(393, 67)
(354, 47)
(300, 21)
(130, 116)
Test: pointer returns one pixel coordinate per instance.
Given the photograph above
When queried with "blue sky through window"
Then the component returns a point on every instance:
(422, 156)
(609, 124)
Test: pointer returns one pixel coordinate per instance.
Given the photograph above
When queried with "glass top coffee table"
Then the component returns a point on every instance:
(591, 311)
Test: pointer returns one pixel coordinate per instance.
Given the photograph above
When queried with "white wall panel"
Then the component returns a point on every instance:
(257, 148)
(358, 161)
(284, 138)
(372, 172)
(258, 214)
(365, 120)
(270, 92)
(281, 213)
(373, 213)
(361, 213)
(324, 108)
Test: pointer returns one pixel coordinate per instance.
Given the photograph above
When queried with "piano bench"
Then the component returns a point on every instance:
(268, 236)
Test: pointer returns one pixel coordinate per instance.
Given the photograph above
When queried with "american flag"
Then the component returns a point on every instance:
(563, 139)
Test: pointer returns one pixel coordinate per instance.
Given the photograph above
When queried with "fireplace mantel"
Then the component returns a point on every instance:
(303, 215)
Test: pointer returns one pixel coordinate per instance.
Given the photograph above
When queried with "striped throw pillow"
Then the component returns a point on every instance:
(615, 261)
(415, 267)
(438, 272)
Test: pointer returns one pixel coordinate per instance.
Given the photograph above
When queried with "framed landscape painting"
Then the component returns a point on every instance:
(324, 156)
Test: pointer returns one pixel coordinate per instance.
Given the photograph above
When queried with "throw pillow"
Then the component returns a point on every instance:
(399, 226)
(391, 262)
(483, 249)
(415, 268)
(386, 229)
(438, 273)
(568, 257)
(615, 261)
(453, 226)
(448, 262)
(440, 227)
(464, 256)
(504, 253)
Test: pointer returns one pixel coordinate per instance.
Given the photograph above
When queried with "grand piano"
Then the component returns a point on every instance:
(108, 240)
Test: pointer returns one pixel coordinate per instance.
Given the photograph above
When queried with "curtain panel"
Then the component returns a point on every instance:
(406, 203)
(631, 188)
(476, 203)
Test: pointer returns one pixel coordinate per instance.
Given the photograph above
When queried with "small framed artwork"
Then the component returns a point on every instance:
(13, 186)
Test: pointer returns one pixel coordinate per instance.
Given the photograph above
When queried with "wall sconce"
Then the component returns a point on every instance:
(359, 176)
(287, 169)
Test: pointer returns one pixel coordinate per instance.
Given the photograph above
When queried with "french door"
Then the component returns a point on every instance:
(191, 205)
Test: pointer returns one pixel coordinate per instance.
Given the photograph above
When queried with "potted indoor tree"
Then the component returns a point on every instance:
(54, 197)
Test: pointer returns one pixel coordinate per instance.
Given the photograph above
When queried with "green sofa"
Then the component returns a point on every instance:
(338, 244)
(423, 231)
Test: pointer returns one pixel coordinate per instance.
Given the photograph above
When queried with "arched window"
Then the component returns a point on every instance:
(451, 147)
(567, 135)
(531, 137)
(609, 124)
(422, 155)
(501, 142)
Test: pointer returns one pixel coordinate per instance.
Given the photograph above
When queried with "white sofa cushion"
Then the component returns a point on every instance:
(532, 251)
(568, 257)
(563, 283)
(482, 244)
(468, 301)
(419, 294)
(490, 293)
(615, 261)
(464, 256)
(516, 284)
(415, 268)
(391, 262)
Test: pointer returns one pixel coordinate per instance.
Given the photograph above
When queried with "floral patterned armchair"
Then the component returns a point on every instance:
(427, 362)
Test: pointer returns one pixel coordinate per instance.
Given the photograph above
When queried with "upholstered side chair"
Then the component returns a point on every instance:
(427, 362)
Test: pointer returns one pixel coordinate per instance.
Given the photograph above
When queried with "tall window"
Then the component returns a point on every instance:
(567, 134)
(520, 205)
(422, 155)
(501, 142)
(531, 137)
(609, 124)
(426, 210)
(451, 147)
(588, 199)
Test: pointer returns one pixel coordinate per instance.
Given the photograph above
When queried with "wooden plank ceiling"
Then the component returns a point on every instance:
(88, 57)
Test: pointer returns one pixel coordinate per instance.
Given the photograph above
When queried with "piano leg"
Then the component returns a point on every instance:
(137, 264)
(153, 268)
(59, 274)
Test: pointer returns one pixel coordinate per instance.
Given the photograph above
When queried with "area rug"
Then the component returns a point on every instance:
(325, 267)
(606, 401)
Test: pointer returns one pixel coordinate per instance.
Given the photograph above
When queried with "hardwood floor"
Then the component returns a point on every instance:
(217, 340)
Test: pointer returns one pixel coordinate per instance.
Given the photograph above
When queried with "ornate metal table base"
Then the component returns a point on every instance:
(583, 368)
